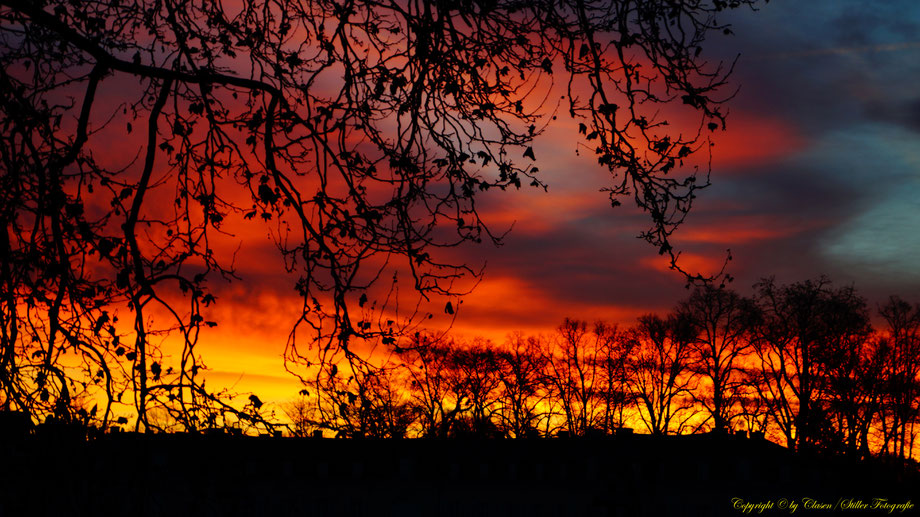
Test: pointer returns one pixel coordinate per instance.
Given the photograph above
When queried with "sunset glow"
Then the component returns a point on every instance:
(701, 218)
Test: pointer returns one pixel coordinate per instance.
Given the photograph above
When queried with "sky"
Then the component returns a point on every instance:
(818, 173)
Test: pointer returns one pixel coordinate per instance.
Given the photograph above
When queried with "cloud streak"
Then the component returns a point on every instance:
(810, 178)
(841, 51)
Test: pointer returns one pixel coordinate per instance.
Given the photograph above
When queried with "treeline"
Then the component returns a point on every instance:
(801, 363)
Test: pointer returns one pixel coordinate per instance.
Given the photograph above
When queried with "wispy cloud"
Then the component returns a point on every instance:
(839, 51)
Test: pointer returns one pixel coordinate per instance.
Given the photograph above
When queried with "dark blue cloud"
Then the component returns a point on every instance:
(843, 75)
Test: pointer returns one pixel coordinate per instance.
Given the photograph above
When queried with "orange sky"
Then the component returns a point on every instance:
(255, 315)
(816, 173)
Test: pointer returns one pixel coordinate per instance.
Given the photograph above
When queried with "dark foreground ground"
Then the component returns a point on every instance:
(160, 475)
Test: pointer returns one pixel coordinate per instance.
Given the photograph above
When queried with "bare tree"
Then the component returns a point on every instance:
(365, 403)
(302, 415)
(855, 390)
(659, 373)
(754, 410)
(575, 366)
(901, 376)
(479, 375)
(616, 350)
(722, 322)
(808, 328)
(437, 394)
(521, 405)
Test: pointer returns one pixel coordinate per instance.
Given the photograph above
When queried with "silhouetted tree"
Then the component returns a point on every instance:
(599, 379)
(900, 377)
(478, 372)
(809, 329)
(754, 410)
(358, 133)
(616, 350)
(523, 393)
(855, 390)
(436, 392)
(302, 414)
(659, 373)
(722, 322)
(575, 366)
(371, 403)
